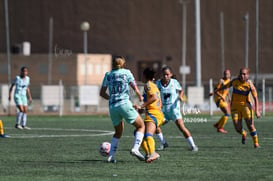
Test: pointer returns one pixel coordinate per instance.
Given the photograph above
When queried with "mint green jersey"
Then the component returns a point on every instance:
(170, 94)
(21, 85)
(118, 82)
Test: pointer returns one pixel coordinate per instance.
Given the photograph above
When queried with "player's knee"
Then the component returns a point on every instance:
(238, 128)
(158, 130)
(235, 118)
(139, 124)
(252, 128)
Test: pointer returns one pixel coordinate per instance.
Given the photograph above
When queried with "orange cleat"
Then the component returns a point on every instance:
(153, 157)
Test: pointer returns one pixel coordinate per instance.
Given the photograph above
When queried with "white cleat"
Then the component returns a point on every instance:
(25, 127)
(111, 159)
(137, 154)
(18, 126)
(162, 147)
(194, 149)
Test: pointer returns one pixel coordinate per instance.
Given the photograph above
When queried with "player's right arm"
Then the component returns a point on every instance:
(10, 90)
(103, 88)
(103, 93)
(221, 87)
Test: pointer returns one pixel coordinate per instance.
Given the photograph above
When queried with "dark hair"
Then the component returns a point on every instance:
(166, 68)
(23, 68)
(114, 57)
(170, 69)
(149, 73)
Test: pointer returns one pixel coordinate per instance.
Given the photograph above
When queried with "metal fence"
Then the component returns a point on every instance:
(71, 103)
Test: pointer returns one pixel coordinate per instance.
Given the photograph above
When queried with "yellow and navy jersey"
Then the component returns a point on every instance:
(150, 89)
(241, 90)
(223, 92)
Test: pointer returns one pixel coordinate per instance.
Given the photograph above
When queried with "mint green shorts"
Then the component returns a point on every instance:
(20, 100)
(124, 111)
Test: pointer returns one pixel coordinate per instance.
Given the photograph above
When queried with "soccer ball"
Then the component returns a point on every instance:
(104, 149)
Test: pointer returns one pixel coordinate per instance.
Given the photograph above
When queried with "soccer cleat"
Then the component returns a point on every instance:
(4, 136)
(25, 127)
(194, 148)
(111, 159)
(256, 145)
(137, 154)
(18, 126)
(221, 130)
(244, 137)
(153, 157)
(162, 146)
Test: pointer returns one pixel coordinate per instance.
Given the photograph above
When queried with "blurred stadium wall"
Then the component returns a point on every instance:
(145, 32)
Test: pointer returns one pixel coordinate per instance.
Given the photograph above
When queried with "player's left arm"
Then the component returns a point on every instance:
(104, 87)
(181, 93)
(135, 88)
(180, 90)
(29, 95)
(255, 97)
(152, 97)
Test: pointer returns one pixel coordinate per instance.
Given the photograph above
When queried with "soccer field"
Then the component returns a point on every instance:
(67, 149)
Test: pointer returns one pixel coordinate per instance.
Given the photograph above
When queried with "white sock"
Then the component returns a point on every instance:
(19, 117)
(114, 146)
(138, 140)
(190, 141)
(24, 119)
(161, 138)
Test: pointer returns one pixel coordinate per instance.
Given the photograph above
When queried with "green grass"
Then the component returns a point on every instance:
(68, 150)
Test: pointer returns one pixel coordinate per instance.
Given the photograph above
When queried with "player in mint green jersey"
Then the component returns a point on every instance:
(118, 82)
(171, 95)
(21, 97)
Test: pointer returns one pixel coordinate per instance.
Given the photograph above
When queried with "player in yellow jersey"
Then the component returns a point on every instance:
(241, 107)
(2, 134)
(154, 117)
(220, 101)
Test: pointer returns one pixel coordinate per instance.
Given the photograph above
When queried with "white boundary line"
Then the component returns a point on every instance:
(101, 133)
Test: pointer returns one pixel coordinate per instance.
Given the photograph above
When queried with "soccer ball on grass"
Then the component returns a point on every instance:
(104, 149)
